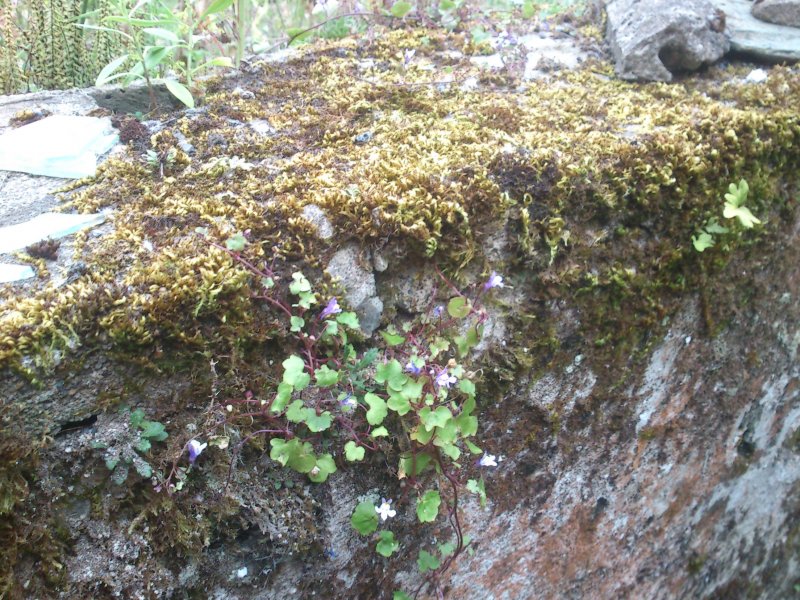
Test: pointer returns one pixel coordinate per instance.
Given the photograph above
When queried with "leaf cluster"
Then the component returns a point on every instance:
(131, 450)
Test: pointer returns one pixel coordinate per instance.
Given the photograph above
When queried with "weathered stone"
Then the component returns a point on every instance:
(545, 54)
(134, 98)
(317, 217)
(780, 12)
(359, 285)
(653, 40)
(750, 36)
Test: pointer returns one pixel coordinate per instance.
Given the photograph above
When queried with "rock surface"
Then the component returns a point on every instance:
(682, 485)
(779, 12)
(652, 40)
(755, 38)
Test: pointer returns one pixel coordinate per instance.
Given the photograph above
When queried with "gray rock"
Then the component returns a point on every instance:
(411, 289)
(652, 40)
(380, 261)
(763, 41)
(545, 53)
(184, 144)
(262, 127)
(370, 313)
(317, 217)
(779, 12)
(359, 286)
(134, 98)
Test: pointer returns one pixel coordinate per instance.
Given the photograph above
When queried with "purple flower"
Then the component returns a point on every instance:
(495, 280)
(505, 39)
(331, 309)
(413, 369)
(445, 380)
(348, 403)
(195, 449)
(437, 312)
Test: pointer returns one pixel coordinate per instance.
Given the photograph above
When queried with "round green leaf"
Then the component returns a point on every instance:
(348, 319)
(379, 432)
(324, 466)
(326, 377)
(293, 367)
(400, 9)
(317, 423)
(296, 323)
(353, 452)
(283, 396)
(387, 545)
(377, 409)
(458, 307)
(428, 506)
(427, 561)
(365, 518)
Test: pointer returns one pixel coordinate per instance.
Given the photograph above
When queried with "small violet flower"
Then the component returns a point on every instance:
(488, 460)
(437, 312)
(385, 509)
(195, 449)
(413, 369)
(445, 380)
(407, 56)
(495, 280)
(332, 308)
(505, 39)
(348, 404)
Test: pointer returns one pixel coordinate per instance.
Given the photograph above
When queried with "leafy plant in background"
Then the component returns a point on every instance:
(132, 448)
(733, 208)
(162, 41)
(42, 46)
(412, 398)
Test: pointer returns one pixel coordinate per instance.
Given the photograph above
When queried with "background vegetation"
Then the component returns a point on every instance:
(57, 44)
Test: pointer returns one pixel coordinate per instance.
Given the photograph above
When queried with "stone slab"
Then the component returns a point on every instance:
(763, 41)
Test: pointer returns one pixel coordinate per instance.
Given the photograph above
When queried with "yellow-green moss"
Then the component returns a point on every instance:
(441, 167)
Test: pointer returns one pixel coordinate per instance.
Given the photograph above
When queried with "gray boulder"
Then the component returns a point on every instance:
(654, 39)
(780, 12)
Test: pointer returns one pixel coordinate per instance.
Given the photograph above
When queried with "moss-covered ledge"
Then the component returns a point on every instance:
(582, 190)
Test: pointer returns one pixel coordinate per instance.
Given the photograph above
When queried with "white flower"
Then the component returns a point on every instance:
(385, 509)
(488, 460)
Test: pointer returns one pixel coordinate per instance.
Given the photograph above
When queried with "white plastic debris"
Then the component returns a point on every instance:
(57, 146)
(9, 273)
(46, 225)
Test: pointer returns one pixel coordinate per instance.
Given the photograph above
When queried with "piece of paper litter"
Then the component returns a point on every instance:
(47, 225)
(9, 273)
(57, 146)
